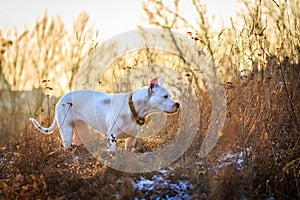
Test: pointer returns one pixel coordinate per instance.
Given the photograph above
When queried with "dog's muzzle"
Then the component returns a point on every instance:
(176, 105)
(174, 108)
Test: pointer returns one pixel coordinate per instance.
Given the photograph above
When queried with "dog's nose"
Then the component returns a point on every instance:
(176, 105)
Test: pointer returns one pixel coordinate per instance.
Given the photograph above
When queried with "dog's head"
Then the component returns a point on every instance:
(160, 98)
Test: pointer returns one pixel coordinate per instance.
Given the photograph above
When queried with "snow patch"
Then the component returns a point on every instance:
(161, 187)
(238, 159)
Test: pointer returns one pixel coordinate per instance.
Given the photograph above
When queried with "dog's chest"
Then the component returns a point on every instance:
(128, 125)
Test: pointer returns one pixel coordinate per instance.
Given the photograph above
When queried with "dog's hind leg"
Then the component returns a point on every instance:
(66, 133)
(81, 133)
(65, 121)
(76, 138)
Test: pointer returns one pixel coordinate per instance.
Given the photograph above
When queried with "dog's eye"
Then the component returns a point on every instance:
(166, 96)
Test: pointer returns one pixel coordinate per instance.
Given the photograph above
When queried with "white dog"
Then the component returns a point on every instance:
(110, 114)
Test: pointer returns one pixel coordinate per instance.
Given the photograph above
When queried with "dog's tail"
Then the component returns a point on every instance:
(42, 129)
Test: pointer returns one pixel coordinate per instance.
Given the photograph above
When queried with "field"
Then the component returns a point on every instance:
(257, 153)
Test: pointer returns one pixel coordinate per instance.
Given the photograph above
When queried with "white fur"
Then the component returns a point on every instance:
(78, 111)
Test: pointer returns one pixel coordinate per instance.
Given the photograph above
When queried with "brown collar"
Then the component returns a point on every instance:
(139, 120)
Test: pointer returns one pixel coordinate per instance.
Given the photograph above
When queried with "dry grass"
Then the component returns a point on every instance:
(262, 114)
(263, 103)
(48, 52)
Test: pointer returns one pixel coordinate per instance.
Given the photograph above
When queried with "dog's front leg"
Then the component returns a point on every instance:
(112, 142)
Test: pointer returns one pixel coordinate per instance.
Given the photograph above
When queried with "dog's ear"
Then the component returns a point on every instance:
(161, 81)
(153, 83)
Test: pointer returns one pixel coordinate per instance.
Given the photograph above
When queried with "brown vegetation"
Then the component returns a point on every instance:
(262, 116)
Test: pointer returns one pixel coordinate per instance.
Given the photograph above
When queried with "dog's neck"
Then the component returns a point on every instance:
(139, 120)
(141, 102)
